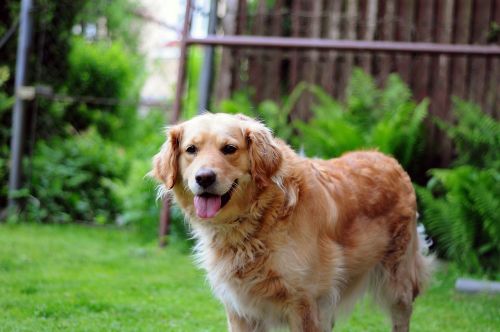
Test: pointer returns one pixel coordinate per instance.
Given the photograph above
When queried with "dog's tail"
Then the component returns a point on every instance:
(424, 261)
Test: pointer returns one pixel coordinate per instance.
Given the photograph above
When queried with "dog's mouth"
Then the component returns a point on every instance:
(207, 204)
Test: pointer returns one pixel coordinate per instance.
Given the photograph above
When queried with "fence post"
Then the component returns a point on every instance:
(19, 110)
(206, 74)
(181, 80)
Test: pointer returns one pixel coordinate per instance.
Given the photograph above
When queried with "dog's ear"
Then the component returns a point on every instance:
(165, 162)
(265, 155)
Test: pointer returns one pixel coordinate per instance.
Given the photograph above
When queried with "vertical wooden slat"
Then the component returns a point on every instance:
(369, 33)
(492, 103)
(294, 59)
(311, 23)
(404, 32)
(256, 61)
(424, 23)
(441, 87)
(315, 32)
(424, 20)
(273, 72)
(479, 34)
(387, 25)
(223, 86)
(241, 29)
(334, 9)
(350, 33)
(463, 14)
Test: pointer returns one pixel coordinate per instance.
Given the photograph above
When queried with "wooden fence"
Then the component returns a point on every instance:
(273, 73)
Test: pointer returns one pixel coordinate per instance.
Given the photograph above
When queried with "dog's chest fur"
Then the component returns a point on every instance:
(241, 277)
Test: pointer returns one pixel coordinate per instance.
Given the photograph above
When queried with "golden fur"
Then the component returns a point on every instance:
(300, 239)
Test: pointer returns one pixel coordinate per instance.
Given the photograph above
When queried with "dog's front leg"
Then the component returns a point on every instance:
(237, 323)
(304, 317)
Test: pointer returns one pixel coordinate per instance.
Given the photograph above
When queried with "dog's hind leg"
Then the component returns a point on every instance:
(303, 316)
(399, 279)
(237, 323)
(326, 308)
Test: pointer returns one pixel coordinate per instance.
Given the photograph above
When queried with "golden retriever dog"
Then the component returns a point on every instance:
(291, 241)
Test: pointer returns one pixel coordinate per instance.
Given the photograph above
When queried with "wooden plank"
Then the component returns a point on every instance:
(241, 29)
(441, 87)
(350, 33)
(369, 33)
(273, 72)
(387, 27)
(404, 32)
(256, 61)
(481, 19)
(492, 106)
(424, 23)
(463, 16)
(294, 59)
(422, 68)
(334, 9)
(311, 22)
(223, 86)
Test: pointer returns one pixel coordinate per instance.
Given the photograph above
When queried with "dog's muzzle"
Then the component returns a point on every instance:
(207, 204)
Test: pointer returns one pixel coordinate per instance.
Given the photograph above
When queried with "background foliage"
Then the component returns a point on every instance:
(371, 118)
(461, 204)
(6, 103)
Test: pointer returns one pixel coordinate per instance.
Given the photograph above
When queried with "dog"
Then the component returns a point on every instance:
(291, 241)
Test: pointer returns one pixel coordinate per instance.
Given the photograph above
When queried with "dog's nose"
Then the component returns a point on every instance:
(205, 177)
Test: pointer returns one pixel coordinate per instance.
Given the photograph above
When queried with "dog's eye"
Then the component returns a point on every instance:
(191, 149)
(229, 149)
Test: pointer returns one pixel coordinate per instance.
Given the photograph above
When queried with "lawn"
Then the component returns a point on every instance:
(74, 278)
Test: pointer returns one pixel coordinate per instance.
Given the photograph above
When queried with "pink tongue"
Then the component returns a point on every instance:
(207, 206)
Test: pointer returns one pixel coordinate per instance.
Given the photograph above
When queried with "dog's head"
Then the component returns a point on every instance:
(215, 162)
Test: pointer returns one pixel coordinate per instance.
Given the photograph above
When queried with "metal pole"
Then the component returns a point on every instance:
(206, 74)
(18, 114)
(181, 80)
(346, 45)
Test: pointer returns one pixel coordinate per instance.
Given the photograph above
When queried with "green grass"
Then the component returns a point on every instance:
(72, 278)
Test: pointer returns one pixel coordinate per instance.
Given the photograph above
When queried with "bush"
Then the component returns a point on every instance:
(6, 103)
(461, 204)
(386, 119)
(101, 70)
(274, 116)
(140, 210)
(138, 191)
(72, 180)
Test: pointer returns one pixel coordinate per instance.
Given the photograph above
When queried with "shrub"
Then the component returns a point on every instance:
(6, 103)
(274, 116)
(385, 119)
(140, 210)
(138, 191)
(102, 70)
(476, 136)
(461, 204)
(72, 180)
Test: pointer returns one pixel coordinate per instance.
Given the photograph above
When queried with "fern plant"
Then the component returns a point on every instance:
(274, 116)
(371, 118)
(384, 119)
(461, 204)
(476, 135)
